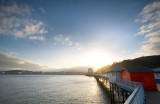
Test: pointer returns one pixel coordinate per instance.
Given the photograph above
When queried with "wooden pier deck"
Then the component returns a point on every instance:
(152, 97)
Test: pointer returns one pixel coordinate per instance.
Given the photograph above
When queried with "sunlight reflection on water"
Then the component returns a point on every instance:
(51, 89)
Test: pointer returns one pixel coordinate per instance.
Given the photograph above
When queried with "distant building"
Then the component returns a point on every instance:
(90, 71)
(19, 72)
(1, 72)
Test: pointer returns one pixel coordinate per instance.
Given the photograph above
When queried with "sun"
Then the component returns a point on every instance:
(99, 59)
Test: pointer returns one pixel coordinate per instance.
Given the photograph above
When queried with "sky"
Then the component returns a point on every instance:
(55, 34)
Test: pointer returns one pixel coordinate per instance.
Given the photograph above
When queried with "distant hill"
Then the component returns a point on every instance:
(79, 70)
(145, 61)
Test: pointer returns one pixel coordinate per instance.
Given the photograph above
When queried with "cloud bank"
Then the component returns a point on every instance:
(150, 17)
(17, 20)
(8, 62)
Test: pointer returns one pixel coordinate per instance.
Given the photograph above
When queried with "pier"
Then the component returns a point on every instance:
(129, 92)
(152, 97)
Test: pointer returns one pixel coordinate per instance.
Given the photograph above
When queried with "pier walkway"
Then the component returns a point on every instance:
(135, 88)
(152, 97)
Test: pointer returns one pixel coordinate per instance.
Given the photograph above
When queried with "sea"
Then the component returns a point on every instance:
(51, 89)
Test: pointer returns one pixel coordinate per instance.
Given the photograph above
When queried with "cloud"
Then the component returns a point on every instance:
(42, 10)
(156, 33)
(15, 9)
(150, 17)
(8, 62)
(16, 20)
(149, 28)
(150, 8)
(150, 49)
(154, 40)
(37, 38)
(64, 40)
(150, 12)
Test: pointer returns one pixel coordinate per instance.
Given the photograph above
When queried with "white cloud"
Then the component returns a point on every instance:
(156, 33)
(150, 49)
(42, 10)
(37, 38)
(150, 16)
(21, 10)
(151, 12)
(16, 20)
(149, 28)
(150, 8)
(8, 62)
(154, 39)
(36, 28)
(61, 39)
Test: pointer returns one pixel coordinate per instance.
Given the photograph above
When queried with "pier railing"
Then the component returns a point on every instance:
(130, 86)
(137, 97)
(136, 88)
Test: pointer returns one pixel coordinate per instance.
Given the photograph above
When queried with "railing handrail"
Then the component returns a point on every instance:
(132, 97)
(125, 84)
(138, 90)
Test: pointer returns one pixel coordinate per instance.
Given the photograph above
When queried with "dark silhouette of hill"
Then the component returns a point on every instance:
(145, 61)
(79, 70)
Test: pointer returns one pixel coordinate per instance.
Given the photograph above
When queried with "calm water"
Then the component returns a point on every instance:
(50, 89)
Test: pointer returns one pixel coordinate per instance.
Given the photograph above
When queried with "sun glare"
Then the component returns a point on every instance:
(99, 59)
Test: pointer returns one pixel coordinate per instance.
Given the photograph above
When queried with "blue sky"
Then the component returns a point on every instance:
(69, 33)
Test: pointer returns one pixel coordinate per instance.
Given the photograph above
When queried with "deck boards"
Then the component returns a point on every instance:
(152, 97)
